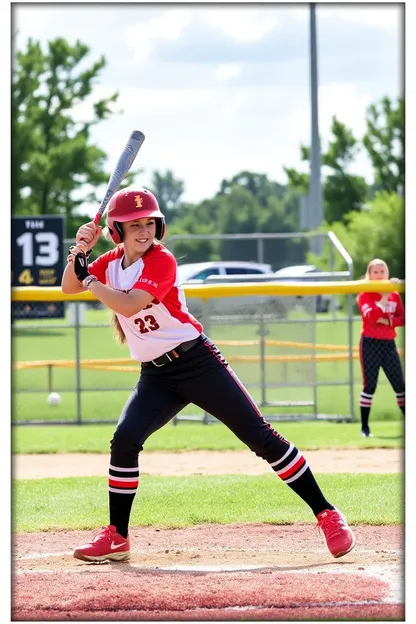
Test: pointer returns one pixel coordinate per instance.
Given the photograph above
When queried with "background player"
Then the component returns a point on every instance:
(381, 313)
(139, 281)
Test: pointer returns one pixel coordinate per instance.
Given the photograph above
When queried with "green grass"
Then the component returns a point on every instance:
(170, 502)
(194, 436)
(30, 387)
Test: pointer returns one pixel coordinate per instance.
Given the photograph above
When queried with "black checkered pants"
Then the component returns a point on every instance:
(376, 354)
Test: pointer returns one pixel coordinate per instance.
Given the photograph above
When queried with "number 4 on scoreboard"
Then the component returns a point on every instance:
(25, 277)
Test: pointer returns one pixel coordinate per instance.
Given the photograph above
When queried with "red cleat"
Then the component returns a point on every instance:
(106, 544)
(339, 537)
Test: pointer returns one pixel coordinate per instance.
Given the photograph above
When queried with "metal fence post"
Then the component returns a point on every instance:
(262, 331)
(351, 354)
(260, 250)
(50, 384)
(331, 268)
(78, 362)
(314, 363)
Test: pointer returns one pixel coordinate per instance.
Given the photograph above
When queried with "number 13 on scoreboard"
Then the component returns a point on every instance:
(37, 250)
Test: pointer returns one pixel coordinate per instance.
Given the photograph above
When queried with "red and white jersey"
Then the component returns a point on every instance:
(165, 322)
(368, 304)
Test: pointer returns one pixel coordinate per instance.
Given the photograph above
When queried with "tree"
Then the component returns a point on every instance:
(342, 192)
(193, 220)
(168, 191)
(257, 184)
(376, 232)
(52, 155)
(384, 142)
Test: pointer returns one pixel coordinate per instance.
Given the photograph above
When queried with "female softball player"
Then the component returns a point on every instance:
(381, 313)
(138, 280)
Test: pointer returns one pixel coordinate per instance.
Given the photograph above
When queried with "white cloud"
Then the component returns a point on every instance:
(227, 71)
(169, 26)
(387, 16)
(347, 102)
(242, 24)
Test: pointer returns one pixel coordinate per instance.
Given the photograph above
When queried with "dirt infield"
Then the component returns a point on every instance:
(205, 462)
(240, 572)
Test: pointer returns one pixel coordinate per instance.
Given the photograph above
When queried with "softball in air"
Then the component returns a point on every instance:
(54, 398)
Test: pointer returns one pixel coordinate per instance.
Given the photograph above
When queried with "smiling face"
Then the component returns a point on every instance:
(138, 236)
(378, 271)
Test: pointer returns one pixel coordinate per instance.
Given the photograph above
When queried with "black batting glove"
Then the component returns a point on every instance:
(81, 266)
(74, 249)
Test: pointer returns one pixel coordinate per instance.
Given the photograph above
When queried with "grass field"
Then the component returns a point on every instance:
(105, 392)
(195, 436)
(81, 503)
(171, 502)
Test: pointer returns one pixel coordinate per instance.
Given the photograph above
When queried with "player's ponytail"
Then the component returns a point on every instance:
(118, 330)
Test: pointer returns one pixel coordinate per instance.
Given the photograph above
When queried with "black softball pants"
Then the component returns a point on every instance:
(376, 354)
(203, 377)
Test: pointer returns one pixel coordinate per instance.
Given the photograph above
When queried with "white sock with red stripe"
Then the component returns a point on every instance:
(401, 400)
(294, 470)
(365, 399)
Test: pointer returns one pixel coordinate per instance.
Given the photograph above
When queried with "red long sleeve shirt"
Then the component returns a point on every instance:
(371, 312)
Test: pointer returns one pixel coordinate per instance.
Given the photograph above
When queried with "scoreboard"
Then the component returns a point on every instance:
(37, 246)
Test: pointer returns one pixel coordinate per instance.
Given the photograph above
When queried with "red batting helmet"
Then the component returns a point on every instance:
(130, 204)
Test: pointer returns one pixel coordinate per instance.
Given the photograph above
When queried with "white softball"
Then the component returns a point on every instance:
(54, 398)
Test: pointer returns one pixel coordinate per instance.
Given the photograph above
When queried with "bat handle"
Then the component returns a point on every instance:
(97, 218)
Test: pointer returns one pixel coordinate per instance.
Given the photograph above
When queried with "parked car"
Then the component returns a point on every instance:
(226, 272)
(202, 270)
(304, 273)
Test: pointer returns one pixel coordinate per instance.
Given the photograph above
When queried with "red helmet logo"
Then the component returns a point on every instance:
(130, 204)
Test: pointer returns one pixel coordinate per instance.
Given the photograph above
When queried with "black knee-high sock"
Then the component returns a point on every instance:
(308, 489)
(365, 414)
(120, 509)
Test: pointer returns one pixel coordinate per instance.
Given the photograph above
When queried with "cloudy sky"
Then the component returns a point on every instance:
(218, 89)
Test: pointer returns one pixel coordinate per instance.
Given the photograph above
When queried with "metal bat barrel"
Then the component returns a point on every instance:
(122, 167)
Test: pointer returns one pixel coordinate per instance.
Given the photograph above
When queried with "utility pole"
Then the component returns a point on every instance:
(316, 213)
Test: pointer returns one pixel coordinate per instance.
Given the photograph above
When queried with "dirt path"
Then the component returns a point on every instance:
(205, 462)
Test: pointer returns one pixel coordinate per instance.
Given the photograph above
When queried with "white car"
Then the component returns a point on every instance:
(226, 272)
(202, 270)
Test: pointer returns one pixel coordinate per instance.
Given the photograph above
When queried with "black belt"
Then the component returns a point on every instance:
(175, 353)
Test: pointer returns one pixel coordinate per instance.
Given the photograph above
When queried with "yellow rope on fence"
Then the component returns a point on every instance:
(289, 343)
(117, 365)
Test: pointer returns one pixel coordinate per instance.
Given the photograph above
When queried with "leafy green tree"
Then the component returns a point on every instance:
(193, 221)
(376, 232)
(168, 191)
(246, 204)
(257, 184)
(384, 141)
(342, 192)
(53, 159)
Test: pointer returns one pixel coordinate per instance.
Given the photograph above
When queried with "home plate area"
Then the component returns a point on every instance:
(212, 572)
